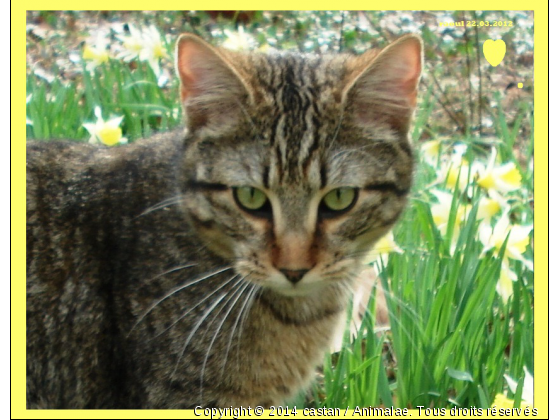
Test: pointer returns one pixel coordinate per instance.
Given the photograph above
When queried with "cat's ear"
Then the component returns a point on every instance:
(383, 87)
(213, 92)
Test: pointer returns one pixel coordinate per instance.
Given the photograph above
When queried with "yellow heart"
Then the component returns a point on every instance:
(494, 51)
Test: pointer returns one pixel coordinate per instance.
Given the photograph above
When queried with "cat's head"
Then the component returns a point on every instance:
(296, 164)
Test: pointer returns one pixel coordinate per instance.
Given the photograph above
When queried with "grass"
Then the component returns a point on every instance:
(452, 336)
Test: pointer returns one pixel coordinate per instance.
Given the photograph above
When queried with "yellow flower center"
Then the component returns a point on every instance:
(133, 45)
(88, 53)
(521, 245)
(95, 55)
(512, 177)
(110, 136)
(487, 182)
(159, 51)
(490, 207)
(452, 177)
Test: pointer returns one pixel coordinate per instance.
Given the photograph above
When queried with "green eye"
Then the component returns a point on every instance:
(250, 198)
(340, 199)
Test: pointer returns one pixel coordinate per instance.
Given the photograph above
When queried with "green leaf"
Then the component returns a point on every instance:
(460, 375)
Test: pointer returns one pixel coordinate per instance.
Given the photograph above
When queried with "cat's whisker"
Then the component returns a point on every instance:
(162, 204)
(256, 290)
(237, 290)
(236, 322)
(192, 308)
(175, 290)
(194, 330)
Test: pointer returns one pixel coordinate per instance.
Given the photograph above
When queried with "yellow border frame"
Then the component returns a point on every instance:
(18, 22)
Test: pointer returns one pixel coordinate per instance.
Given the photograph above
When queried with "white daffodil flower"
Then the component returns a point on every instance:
(493, 238)
(95, 53)
(503, 402)
(144, 44)
(528, 384)
(132, 44)
(503, 178)
(431, 151)
(505, 282)
(441, 212)
(491, 206)
(105, 132)
(27, 100)
(456, 171)
(382, 248)
(153, 50)
(239, 40)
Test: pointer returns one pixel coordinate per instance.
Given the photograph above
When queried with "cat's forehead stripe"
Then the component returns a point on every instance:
(298, 126)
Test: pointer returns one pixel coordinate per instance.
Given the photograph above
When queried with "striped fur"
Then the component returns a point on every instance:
(149, 284)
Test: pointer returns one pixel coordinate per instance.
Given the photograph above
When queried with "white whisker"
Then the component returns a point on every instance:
(244, 319)
(241, 311)
(239, 287)
(195, 329)
(175, 290)
(184, 314)
(162, 204)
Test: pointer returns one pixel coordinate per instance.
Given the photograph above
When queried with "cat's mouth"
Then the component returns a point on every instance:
(298, 283)
(309, 284)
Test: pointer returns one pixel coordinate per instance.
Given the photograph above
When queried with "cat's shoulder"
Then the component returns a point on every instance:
(72, 156)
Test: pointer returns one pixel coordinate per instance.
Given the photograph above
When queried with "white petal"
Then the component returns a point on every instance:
(114, 122)
(528, 384)
(511, 383)
(97, 112)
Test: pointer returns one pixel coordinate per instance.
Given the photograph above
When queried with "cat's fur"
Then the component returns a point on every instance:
(150, 287)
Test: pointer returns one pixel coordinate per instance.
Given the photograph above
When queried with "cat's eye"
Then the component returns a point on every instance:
(340, 199)
(250, 198)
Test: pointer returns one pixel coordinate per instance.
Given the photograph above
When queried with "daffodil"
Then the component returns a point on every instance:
(144, 44)
(493, 238)
(528, 384)
(442, 211)
(491, 206)
(431, 151)
(456, 172)
(501, 401)
(106, 132)
(132, 44)
(502, 178)
(505, 282)
(153, 50)
(95, 53)
(27, 100)
(239, 40)
(382, 248)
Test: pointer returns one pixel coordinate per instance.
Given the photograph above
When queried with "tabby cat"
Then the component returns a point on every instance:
(210, 266)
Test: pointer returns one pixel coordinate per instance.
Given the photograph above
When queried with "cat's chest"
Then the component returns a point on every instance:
(278, 357)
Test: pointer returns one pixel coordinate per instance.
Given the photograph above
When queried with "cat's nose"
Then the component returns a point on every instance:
(293, 276)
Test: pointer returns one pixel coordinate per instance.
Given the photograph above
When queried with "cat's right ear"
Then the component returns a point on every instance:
(213, 92)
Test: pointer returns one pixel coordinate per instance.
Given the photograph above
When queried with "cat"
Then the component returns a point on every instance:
(210, 266)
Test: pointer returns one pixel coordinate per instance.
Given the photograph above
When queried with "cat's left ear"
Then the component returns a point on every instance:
(383, 87)
(213, 92)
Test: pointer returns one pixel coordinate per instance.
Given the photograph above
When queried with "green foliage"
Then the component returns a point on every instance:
(452, 337)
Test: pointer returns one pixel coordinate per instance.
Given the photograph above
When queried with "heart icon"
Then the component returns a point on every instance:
(494, 51)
